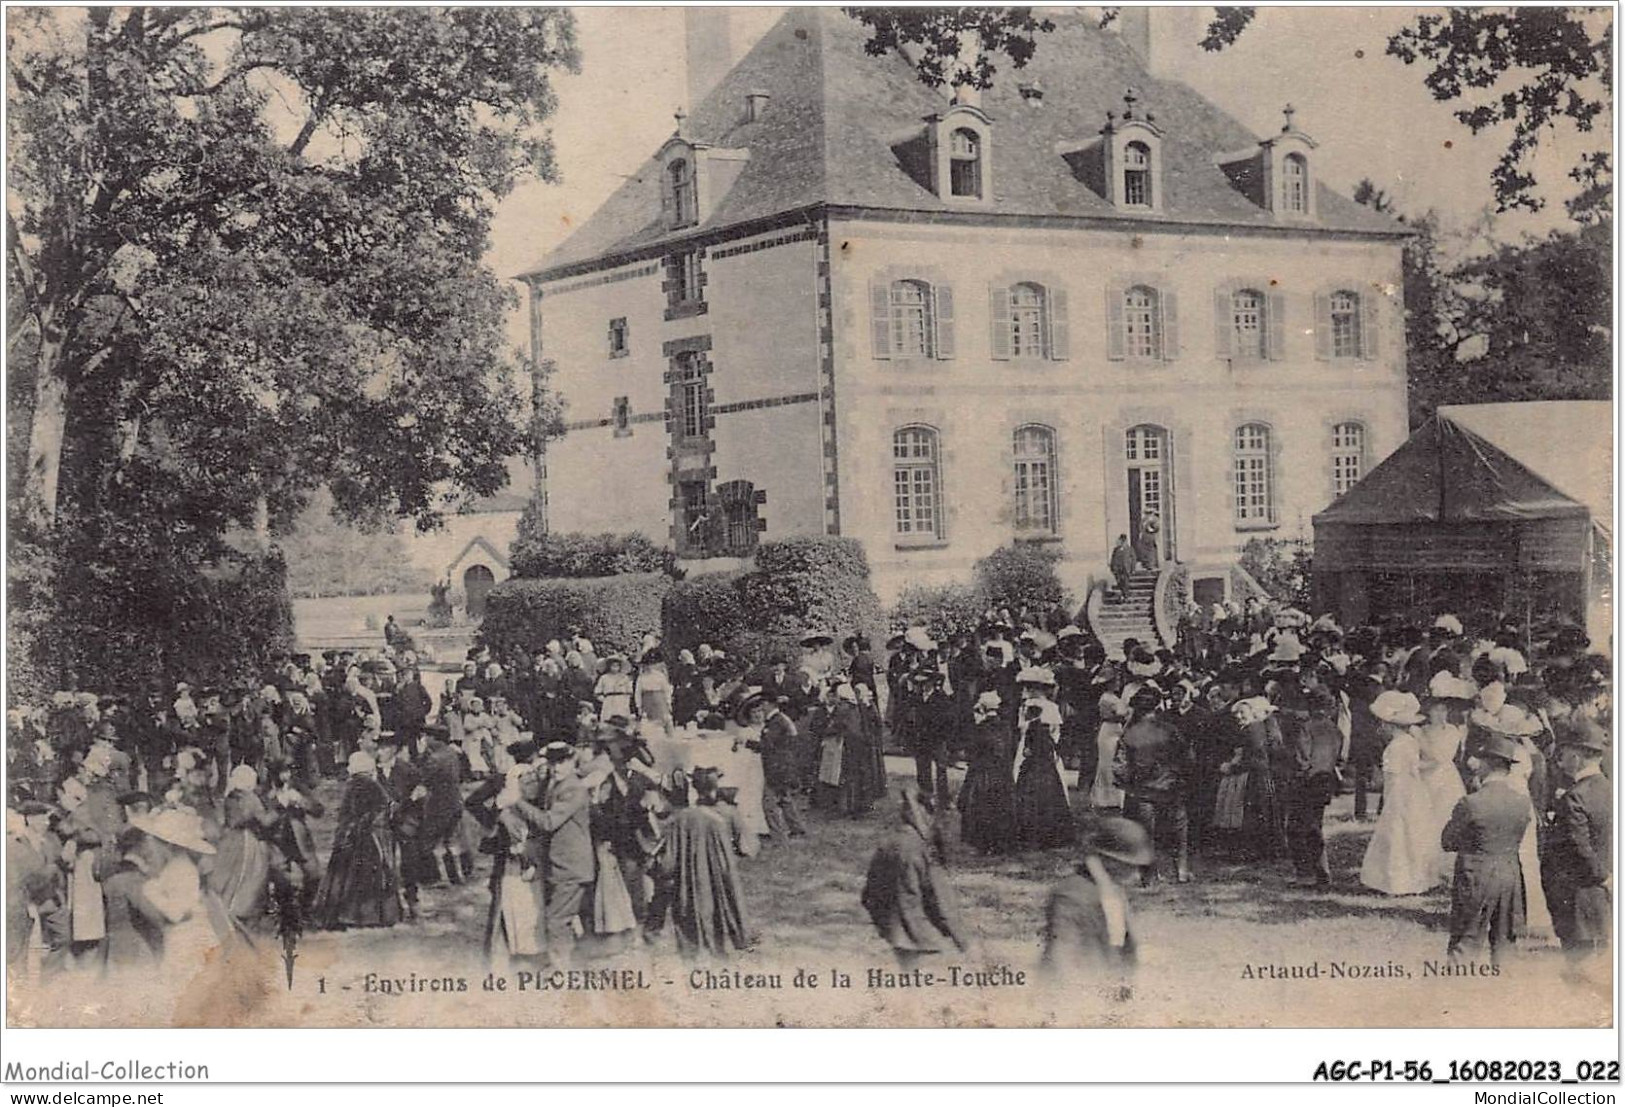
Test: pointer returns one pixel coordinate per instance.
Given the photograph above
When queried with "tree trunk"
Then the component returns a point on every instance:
(45, 433)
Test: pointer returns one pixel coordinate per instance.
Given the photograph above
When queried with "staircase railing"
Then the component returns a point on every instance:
(1091, 610)
(1167, 600)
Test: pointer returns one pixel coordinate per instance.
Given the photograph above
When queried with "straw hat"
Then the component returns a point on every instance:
(177, 827)
(1120, 839)
(1397, 708)
(1511, 721)
(1036, 676)
(361, 763)
(1447, 686)
(1449, 624)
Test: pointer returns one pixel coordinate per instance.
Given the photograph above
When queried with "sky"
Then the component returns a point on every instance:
(1371, 114)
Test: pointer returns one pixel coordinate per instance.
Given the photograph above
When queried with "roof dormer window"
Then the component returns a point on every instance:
(965, 164)
(1137, 175)
(959, 145)
(684, 208)
(1295, 184)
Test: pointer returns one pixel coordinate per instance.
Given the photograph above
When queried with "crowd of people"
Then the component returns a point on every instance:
(607, 798)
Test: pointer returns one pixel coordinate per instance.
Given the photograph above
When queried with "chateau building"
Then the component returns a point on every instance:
(837, 301)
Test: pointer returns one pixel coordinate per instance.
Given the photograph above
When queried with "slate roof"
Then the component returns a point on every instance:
(830, 135)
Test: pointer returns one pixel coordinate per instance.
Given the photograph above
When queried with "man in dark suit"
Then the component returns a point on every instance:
(780, 767)
(1578, 865)
(404, 783)
(1317, 751)
(1484, 833)
(570, 867)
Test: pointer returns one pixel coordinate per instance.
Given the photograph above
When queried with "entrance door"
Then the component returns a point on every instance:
(1148, 454)
(477, 581)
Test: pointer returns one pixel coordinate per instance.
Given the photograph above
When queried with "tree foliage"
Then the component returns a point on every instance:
(245, 250)
(1530, 69)
(1530, 320)
(536, 553)
(328, 556)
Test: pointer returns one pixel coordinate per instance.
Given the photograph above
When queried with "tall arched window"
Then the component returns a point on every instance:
(1295, 183)
(1348, 456)
(684, 210)
(911, 330)
(1141, 323)
(1137, 174)
(1027, 321)
(1255, 494)
(1345, 311)
(917, 483)
(1247, 323)
(965, 164)
(1035, 479)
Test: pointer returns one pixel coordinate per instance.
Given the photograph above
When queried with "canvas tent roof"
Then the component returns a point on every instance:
(1481, 463)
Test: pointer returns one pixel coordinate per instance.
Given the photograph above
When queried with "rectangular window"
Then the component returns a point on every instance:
(695, 407)
(1141, 340)
(617, 338)
(1247, 318)
(693, 496)
(911, 319)
(1345, 310)
(914, 483)
(1254, 503)
(685, 285)
(1348, 456)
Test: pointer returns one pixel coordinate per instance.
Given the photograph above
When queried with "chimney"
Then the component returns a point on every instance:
(1161, 37)
(710, 49)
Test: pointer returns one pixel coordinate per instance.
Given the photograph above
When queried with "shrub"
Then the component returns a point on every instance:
(818, 554)
(1021, 576)
(944, 610)
(535, 555)
(704, 609)
(615, 611)
(1283, 568)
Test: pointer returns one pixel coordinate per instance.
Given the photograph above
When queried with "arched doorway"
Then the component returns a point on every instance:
(477, 582)
(1148, 454)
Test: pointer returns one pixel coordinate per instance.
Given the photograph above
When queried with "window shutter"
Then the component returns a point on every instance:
(1223, 323)
(1369, 335)
(1275, 320)
(1323, 326)
(1115, 339)
(1168, 303)
(944, 320)
(880, 318)
(1060, 337)
(998, 300)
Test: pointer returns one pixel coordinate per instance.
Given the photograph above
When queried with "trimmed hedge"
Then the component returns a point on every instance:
(544, 556)
(1021, 576)
(615, 612)
(944, 610)
(799, 584)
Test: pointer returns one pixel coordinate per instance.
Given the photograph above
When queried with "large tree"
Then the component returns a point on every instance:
(245, 252)
(1531, 71)
(248, 247)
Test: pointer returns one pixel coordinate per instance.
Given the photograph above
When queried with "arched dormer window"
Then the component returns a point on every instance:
(1295, 184)
(1137, 183)
(684, 208)
(960, 143)
(965, 164)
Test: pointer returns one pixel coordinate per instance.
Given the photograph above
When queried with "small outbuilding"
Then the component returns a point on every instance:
(1487, 506)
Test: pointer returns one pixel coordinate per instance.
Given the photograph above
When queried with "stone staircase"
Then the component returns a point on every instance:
(1130, 616)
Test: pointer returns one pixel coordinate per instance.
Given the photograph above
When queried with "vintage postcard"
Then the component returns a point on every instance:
(809, 516)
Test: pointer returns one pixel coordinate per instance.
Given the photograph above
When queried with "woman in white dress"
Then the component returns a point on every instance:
(1114, 714)
(194, 921)
(1441, 738)
(1513, 722)
(1400, 860)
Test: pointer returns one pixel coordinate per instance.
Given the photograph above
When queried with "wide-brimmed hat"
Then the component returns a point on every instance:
(177, 827)
(919, 639)
(1398, 708)
(361, 762)
(815, 638)
(1254, 709)
(1445, 685)
(1494, 745)
(989, 701)
(1511, 721)
(558, 751)
(1036, 675)
(1120, 839)
(1583, 732)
